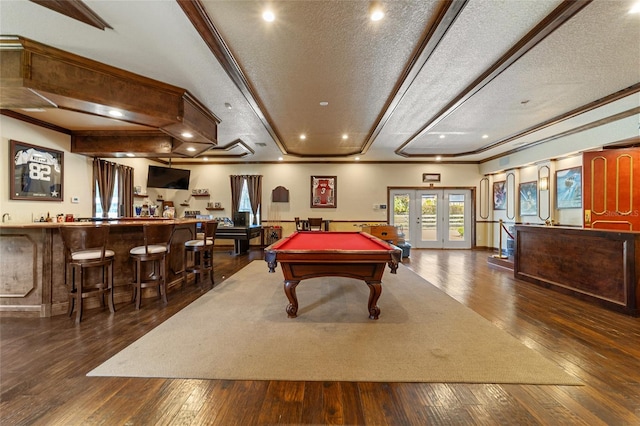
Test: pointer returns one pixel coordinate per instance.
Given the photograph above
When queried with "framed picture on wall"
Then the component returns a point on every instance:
(323, 191)
(35, 172)
(569, 188)
(528, 198)
(499, 195)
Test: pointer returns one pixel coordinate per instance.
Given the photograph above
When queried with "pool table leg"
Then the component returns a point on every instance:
(290, 291)
(375, 289)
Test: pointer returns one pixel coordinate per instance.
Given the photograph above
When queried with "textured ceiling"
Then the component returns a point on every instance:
(428, 80)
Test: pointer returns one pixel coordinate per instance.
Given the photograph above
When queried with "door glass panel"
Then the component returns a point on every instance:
(429, 211)
(456, 217)
(401, 204)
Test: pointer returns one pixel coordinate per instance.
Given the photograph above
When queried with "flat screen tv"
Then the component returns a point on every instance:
(165, 177)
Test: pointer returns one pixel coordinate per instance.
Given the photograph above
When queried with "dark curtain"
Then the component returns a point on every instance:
(236, 192)
(254, 187)
(125, 189)
(104, 175)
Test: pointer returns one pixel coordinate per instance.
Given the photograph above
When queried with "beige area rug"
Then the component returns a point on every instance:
(239, 330)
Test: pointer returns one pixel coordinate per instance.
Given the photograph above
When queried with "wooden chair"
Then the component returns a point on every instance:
(202, 250)
(315, 224)
(299, 224)
(157, 244)
(85, 247)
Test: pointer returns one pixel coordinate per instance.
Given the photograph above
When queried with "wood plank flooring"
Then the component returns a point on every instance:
(44, 361)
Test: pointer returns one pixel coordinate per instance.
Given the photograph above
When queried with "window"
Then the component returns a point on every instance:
(245, 203)
(113, 208)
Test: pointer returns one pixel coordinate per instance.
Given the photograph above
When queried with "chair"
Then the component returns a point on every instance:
(157, 243)
(299, 224)
(315, 224)
(202, 249)
(85, 247)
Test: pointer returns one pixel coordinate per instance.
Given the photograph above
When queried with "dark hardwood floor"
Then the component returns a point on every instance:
(44, 361)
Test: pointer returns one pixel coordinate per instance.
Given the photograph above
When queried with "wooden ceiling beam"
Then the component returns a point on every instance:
(35, 76)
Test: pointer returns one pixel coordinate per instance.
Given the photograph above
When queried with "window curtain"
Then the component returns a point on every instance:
(236, 192)
(254, 187)
(125, 189)
(104, 175)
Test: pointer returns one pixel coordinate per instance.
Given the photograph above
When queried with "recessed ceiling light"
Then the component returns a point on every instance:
(438, 158)
(191, 149)
(485, 136)
(345, 136)
(115, 113)
(357, 158)
(227, 105)
(205, 158)
(130, 154)
(324, 103)
(303, 136)
(187, 135)
(442, 136)
(268, 16)
(280, 158)
(375, 11)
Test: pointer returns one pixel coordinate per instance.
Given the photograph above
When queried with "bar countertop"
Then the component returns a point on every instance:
(125, 221)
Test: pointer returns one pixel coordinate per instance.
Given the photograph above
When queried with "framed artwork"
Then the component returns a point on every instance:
(569, 188)
(35, 172)
(499, 195)
(431, 177)
(528, 198)
(323, 191)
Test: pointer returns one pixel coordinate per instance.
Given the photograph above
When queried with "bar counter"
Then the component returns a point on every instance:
(32, 263)
(595, 265)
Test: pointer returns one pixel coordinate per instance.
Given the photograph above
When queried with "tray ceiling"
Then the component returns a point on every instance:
(461, 80)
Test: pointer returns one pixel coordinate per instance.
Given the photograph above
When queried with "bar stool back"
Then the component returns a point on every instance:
(84, 248)
(315, 224)
(157, 243)
(202, 250)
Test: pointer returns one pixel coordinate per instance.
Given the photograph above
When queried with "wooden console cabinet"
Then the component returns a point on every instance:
(598, 266)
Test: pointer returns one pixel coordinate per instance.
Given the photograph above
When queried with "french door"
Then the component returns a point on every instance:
(433, 218)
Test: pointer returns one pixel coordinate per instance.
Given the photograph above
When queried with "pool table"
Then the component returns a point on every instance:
(311, 254)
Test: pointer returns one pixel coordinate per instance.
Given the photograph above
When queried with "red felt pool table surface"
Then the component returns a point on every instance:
(313, 240)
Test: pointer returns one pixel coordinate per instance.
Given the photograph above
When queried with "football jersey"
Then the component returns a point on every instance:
(37, 173)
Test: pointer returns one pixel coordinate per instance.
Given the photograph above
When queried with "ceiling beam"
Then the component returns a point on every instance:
(77, 10)
(34, 75)
(564, 12)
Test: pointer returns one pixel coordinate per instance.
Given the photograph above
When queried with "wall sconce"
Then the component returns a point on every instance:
(544, 183)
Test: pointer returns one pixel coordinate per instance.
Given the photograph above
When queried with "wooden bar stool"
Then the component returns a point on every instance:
(202, 250)
(157, 243)
(84, 248)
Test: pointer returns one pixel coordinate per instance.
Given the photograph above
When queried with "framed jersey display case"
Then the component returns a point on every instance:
(323, 191)
(35, 172)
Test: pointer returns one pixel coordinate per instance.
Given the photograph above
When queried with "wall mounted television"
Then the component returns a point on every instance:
(166, 177)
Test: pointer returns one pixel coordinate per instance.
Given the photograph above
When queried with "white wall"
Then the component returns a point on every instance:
(76, 178)
(359, 185)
